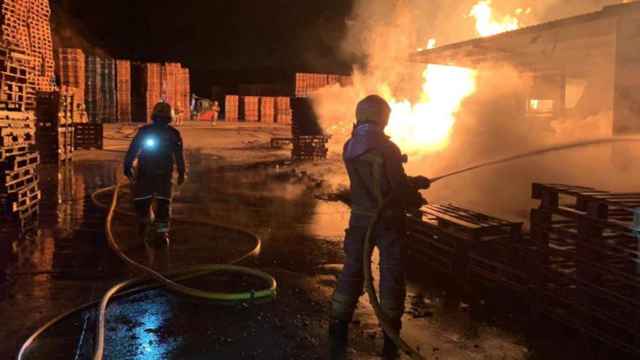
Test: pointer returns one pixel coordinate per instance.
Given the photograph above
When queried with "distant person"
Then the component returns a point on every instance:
(158, 147)
(375, 167)
(215, 109)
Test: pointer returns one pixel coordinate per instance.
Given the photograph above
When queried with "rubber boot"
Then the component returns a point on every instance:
(390, 350)
(338, 339)
(163, 240)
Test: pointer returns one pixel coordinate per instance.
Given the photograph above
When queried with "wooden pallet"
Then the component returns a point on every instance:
(7, 152)
(18, 162)
(17, 185)
(26, 198)
(468, 245)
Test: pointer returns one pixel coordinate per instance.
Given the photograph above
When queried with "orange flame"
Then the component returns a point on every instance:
(487, 24)
(426, 126)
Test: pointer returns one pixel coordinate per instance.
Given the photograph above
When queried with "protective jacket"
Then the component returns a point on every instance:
(157, 147)
(376, 173)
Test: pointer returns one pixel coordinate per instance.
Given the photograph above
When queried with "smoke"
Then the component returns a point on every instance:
(491, 123)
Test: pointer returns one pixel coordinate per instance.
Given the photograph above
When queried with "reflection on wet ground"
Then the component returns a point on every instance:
(68, 264)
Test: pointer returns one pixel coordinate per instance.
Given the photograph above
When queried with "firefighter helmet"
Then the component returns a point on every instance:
(163, 112)
(373, 109)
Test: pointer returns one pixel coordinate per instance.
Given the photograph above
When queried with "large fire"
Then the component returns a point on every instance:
(487, 24)
(425, 127)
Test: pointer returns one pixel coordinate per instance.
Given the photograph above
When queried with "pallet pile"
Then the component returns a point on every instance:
(41, 43)
(88, 136)
(472, 247)
(55, 130)
(231, 108)
(100, 89)
(307, 83)
(251, 108)
(123, 90)
(71, 70)
(17, 92)
(309, 147)
(19, 192)
(183, 95)
(587, 260)
(26, 27)
(176, 90)
(283, 110)
(146, 90)
(169, 83)
(267, 110)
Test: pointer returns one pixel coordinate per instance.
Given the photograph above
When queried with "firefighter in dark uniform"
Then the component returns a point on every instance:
(375, 167)
(158, 147)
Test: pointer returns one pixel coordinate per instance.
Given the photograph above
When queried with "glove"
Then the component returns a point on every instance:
(181, 179)
(421, 182)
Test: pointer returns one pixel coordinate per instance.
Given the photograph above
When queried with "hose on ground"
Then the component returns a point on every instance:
(389, 330)
(161, 280)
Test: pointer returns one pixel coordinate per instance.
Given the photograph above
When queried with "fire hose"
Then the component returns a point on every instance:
(270, 292)
(161, 281)
(368, 279)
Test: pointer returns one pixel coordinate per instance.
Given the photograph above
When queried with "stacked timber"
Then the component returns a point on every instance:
(587, 257)
(251, 108)
(19, 192)
(183, 95)
(283, 110)
(267, 110)
(55, 130)
(100, 89)
(231, 108)
(71, 70)
(473, 248)
(41, 43)
(146, 90)
(307, 83)
(108, 107)
(176, 90)
(170, 74)
(123, 75)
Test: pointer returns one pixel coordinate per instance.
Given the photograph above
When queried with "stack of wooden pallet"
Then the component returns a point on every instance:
(169, 83)
(123, 74)
(19, 193)
(309, 147)
(41, 43)
(71, 70)
(231, 108)
(100, 89)
(267, 110)
(307, 83)
(251, 108)
(283, 110)
(587, 259)
(471, 247)
(55, 133)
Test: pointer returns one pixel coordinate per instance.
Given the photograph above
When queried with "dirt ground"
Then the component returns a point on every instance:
(237, 179)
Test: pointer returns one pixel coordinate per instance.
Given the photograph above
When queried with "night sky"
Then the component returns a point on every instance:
(222, 41)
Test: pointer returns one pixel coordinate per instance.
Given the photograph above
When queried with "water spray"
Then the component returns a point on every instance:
(541, 151)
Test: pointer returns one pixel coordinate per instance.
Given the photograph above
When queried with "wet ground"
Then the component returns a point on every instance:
(68, 264)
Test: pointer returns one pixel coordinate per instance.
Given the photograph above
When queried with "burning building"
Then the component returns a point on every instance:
(572, 68)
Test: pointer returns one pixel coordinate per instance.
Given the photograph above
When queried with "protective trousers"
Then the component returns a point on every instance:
(392, 276)
(162, 213)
